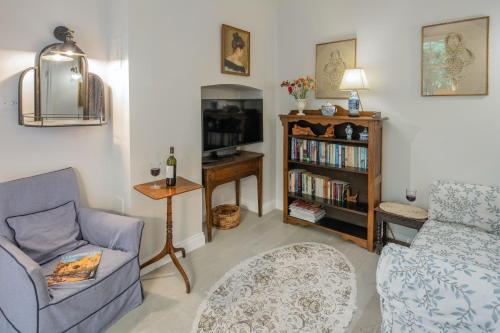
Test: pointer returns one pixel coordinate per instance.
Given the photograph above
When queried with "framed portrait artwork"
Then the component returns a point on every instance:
(235, 51)
(332, 59)
(455, 58)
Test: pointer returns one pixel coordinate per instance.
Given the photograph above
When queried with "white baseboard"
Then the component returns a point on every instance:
(252, 206)
(192, 243)
(279, 205)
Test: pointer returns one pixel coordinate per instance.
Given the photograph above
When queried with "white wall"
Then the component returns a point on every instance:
(425, 138)
(27, 27)
(115, 14)
(174, 51)
(169, 47)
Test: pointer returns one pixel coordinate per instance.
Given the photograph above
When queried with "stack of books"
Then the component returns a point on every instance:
(306, 211)
(333, 154)
(303, 182)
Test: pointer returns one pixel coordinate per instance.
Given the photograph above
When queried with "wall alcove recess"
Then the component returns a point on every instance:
(352, 221)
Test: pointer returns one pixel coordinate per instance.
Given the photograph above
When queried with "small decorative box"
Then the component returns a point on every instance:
(328, 109)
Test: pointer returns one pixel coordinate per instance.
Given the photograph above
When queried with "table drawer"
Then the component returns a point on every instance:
(233, 172)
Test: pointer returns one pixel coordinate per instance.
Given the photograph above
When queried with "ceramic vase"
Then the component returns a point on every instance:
(301, 105)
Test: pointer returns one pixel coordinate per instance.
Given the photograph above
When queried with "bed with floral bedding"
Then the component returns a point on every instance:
(449, 278)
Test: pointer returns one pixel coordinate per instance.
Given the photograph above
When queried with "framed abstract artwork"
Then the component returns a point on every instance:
(235, 51)
(455, 58)
(332, 59)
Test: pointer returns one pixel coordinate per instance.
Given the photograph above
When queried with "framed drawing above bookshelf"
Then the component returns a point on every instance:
(327, 171)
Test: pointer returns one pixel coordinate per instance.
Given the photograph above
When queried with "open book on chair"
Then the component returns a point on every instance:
(75, 267)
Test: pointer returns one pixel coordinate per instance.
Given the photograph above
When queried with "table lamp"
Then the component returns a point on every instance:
(354, 79)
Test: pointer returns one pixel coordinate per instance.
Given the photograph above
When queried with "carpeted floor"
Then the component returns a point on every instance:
(167, 308)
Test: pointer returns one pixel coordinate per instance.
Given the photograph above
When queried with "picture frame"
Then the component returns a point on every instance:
(332, 59)
(235, 51)
(455, 58)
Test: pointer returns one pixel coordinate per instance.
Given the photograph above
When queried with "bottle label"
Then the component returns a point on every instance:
(170, 171)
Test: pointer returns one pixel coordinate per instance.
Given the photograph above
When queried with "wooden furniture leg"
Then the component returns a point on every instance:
(237, 187)
(170, 249)
(208, 209)
(379, 222)
(259, 188)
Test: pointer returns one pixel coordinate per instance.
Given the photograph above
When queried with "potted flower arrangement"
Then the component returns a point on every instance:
(299, 88)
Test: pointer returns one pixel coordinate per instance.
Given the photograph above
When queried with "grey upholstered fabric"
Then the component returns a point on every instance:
(26, 302)
(109, 230)
(23, 288)
(35, 194)
(86, 297)
(46, 235)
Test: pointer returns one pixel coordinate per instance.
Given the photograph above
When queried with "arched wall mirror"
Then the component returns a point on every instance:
(59, 90)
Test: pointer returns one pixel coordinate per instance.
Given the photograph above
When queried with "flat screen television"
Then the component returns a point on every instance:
(230, 123)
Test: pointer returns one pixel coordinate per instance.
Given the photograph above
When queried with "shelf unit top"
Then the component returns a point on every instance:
(342, 115)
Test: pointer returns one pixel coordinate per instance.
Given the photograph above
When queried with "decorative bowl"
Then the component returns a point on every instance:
(328, 109)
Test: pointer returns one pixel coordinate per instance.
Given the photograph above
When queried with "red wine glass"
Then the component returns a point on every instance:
(411, 195)
(155, 171)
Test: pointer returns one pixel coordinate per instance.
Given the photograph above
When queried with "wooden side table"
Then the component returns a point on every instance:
(182, 186)
(383, 217)
(229, 169)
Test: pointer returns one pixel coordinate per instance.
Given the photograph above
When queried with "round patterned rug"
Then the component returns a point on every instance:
(305, 287)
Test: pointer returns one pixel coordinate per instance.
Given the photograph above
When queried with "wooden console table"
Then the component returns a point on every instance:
(230, 169)
(182, 186)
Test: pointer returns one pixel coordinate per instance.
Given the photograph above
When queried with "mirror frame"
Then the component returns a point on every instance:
(38, 117)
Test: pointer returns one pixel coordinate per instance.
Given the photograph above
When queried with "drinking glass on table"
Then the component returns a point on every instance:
(155, 172)
(411, 195)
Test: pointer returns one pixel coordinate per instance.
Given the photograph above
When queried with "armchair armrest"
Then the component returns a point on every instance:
(421, 291)
(23, 287)
(110, 230)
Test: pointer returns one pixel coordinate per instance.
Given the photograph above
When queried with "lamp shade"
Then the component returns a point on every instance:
(354, 79)
(68, 48)
(62, 52)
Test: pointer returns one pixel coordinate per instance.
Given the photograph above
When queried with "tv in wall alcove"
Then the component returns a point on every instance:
(232, 116)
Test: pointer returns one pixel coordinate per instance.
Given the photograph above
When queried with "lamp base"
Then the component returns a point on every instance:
(354, 102)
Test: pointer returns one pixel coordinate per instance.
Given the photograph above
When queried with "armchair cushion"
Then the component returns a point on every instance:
(115, 288)
(459, 242)
(474, 205)
(35, 194)
(46, 235)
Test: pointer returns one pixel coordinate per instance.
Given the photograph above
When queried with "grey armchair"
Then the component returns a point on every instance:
(27, 304)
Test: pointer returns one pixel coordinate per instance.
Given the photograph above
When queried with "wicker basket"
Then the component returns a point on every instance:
(226, 216)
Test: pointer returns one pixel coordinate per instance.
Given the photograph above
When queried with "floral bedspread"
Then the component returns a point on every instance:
(449, 279)
(459, 242)
(424, 292)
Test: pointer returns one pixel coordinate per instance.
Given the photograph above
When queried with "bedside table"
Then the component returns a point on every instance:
(399, 214)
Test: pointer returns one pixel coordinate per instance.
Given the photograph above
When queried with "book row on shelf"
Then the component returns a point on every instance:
(337, 155)
(306, 211)
(303, 182)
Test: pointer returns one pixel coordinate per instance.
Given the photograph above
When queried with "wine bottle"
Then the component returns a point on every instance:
(171, 168)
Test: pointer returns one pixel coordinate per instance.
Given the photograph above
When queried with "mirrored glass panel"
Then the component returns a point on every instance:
(63, 88)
